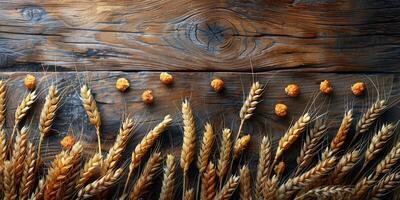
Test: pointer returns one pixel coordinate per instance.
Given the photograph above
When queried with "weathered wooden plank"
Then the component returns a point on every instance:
(182, 35)
(219, 109)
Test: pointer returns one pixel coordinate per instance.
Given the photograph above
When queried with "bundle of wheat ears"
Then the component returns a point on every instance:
(347, 167)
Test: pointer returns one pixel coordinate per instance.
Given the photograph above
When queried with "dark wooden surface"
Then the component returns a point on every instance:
(207, 35)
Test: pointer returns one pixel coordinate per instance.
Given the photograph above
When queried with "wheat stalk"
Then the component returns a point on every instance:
(115, 152)
(58, 173)
(167, 189)
(387, 184)
(340, 137)
(310, 145)
(292, 134)
(189, 137)
(100, 185)
(90, 168)
(90, 106)
(228, 189)
(208, 183)
(245, 183)
(302, 181)
(270, 187)
(326, 192)
(344, 166)
(386, 164)
(206, 148)
(240, 145)
(362, 187)
(144, 146)
(146, 177)
(378, 142)
(28, 174)
(224, 154)
(189, 194)
(369, 117)
(3, 101)
(263, 167)
(19, 153)
(9, 185)
(47, 114)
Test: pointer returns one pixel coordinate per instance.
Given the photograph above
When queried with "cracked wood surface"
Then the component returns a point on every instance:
(184, 35)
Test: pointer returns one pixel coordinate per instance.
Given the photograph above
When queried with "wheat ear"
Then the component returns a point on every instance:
(362, 187)
(384, 186)
(28, 175)
(115, 152)
(378, 142)
(3, 101)
(89, 169)
(146, 177)
(292, 185)
(310, 145)
(38, 193)
(19, 153)
(263, 167)
(270, 187)
(144, 146)
(291, 135)
(326, 192)
(47, 114)
(206, 148)
(386, 164)
(68, 188)
(189, 194)
(245, 183)
(340, 137)
(208, 183)
(189, 136)
(59, 171)
(344, 166)
(369, 117)
(167, 189)
(22, 111)
(100, 185)
(240, 145)
(228, 189)
(3, 154)
(9, 185)
(224, 154)
(90, 106)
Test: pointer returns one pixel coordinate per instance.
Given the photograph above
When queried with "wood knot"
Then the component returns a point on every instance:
(33, 14)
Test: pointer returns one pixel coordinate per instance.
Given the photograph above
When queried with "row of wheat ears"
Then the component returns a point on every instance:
(66, 179)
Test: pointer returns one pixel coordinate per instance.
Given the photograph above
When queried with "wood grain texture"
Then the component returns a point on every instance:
(220, 109)
(182, 35)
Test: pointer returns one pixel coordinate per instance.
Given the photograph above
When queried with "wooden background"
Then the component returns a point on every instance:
(71, 42)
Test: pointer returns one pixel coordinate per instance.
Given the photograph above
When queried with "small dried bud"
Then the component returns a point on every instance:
(325, 87)
(358, 88)
(30, 82)
(67, 142)
(280, 168)
(122, 84)
(147, 97)
(166, 78)
(217, 84)
(292, 90)
(281, 110)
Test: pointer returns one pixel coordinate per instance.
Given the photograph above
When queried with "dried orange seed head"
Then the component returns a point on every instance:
(292, 90)
(358, 88)
(217, 84)
(147, 97)
(30, 82)
(166, 78)
(325, 87)
(67, 142)
(122, 84)
(281, 110)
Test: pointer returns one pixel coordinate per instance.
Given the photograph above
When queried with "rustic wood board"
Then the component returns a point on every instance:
(207, 35)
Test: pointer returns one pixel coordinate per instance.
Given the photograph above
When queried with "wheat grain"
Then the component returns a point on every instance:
(228, 189)
(362, 187)
(292, 134)
(344, 166)
(189, 194)
(146, 177)
(100, 185)
(263, 166)
(90, 106)
(19, 153)
(115, 152)
(90, 168)
(387, 184)
(206, 148)
(144, 146)
(369, 117)
(240, 145)
(326, 192)
(224, 154)
(292, 185)
(245, 183)
(189, 137)
(9, 185)
(378, 142)
(208, 183)
(28, 174)
(167, 189)
(310, 145)
(3, 101)
(386, 164)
